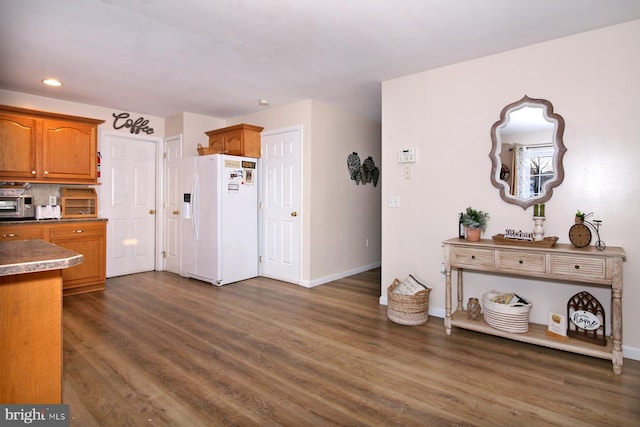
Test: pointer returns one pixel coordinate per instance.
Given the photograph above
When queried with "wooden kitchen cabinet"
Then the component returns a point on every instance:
(17, 146)
(88, 238)
(42, 147)
(237, 140)
(22, 232)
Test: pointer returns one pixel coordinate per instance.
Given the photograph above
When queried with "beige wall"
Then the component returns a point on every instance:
(53, 105)
(593, 81)
(192, 127)
(338, 215)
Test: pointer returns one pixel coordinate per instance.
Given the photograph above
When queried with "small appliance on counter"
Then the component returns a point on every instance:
(48, 212)
(14, 204)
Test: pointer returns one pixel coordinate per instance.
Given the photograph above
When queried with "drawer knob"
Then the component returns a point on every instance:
(521, 261)
(473, 257)
(78, 231)
(577, 267)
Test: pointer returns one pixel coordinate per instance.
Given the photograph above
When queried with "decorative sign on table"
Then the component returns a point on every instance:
(557, 326)
(518, 235)
(587, 318)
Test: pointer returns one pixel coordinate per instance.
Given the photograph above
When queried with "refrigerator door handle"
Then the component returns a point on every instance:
(194, 210)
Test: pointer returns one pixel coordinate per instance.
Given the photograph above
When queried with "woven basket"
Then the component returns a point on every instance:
(505, 317)
(203, 151)
(407, 309)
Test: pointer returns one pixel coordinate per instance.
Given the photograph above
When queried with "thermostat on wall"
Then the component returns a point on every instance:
(407, 155)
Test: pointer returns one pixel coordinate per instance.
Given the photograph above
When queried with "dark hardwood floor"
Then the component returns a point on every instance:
(157, 349)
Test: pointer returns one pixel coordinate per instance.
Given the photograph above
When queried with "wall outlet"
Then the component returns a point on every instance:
(408, 172)
(394, 201)
(53, 200)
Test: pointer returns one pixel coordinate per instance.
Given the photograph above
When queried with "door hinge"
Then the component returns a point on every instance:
(260, 259)
(164, 254)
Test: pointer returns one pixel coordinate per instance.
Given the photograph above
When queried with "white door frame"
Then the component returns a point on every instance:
(262, 191)
(161, 265)
(160, 211)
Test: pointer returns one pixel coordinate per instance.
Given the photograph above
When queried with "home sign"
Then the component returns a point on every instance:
(587, 318)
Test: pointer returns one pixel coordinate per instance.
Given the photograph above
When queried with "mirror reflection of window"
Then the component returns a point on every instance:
(534, 167)
(540, 168)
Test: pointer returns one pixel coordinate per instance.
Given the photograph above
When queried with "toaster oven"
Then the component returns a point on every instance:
(16, 207)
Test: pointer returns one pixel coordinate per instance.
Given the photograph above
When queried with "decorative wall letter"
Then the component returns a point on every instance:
(122, 120)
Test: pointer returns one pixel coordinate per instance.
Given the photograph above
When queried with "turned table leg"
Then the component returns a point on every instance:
(616, 316)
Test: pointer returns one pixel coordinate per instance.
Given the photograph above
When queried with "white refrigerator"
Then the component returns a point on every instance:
(219, 219)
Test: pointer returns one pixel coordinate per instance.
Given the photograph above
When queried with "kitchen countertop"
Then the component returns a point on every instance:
(48, 221)
(28, 256)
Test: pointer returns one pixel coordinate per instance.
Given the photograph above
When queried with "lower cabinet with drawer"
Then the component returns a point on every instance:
(88, 238)
(561, 263)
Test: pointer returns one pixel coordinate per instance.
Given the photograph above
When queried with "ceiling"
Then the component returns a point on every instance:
(219, 57)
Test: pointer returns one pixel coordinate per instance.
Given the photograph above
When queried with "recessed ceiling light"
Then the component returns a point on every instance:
(52, 82)
(263, 102)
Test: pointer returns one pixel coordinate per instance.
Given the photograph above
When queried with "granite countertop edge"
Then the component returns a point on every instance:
(29, 256)
(50, 221)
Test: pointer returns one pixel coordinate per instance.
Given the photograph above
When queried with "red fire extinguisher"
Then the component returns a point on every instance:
(98, 158)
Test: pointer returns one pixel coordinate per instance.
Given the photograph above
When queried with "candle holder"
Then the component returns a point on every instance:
(538, 229)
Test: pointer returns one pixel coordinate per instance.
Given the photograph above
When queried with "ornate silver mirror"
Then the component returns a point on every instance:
(527, 151)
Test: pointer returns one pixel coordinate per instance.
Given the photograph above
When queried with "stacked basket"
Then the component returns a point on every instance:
(512, 317)
(408, 309)
(203, 151)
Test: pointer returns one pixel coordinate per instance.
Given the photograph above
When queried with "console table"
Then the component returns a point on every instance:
(561, 263)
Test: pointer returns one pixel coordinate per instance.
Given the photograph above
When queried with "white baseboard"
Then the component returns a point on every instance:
(336, 276)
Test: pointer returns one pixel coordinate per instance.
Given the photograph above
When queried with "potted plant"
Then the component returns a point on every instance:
(580, 217)
(475, 223)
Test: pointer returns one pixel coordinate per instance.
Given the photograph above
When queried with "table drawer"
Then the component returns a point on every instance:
(472, 257)
(576, 266)
(525, 262)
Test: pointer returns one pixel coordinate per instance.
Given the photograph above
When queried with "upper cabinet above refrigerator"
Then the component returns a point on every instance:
(237, 140)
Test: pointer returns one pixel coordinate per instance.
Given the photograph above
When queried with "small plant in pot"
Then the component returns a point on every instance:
(475, 223)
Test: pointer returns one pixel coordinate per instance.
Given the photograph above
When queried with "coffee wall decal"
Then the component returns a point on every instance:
(122, 120)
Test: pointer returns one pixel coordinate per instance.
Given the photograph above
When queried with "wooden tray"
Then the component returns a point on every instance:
(547, 242)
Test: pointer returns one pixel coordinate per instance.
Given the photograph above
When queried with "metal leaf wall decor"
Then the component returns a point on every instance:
(364, 172)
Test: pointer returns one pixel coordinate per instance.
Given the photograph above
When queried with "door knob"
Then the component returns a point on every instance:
(176, 212)
(152, 211)
(294, 213)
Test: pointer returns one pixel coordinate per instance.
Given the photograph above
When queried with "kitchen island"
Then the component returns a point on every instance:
(31, 320)
(86, 236)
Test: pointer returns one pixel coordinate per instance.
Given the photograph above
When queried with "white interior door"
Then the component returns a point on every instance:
(172, 204)
(128, 201)
(281, 216)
